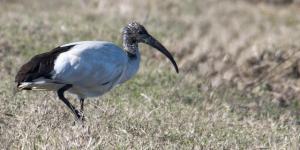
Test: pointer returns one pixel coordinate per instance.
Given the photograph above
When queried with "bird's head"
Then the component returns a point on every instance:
(135, 33)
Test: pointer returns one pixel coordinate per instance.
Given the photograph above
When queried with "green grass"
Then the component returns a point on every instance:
(157, 109)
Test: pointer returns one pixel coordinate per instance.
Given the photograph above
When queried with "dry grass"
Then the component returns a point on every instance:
(237, 88)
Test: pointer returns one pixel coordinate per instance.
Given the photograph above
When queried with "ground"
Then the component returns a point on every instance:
(237, 88)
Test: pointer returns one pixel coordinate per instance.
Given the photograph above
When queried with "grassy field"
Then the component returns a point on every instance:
(237, 88)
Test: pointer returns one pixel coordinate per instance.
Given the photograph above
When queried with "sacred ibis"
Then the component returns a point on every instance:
(87, 68)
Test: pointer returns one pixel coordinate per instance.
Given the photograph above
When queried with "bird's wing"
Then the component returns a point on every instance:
(40, 65)
(90, 64)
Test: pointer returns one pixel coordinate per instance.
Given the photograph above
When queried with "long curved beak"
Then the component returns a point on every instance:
(157, 45)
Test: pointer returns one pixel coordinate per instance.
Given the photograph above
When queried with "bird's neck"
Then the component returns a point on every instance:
(130, 45)
(133, 65)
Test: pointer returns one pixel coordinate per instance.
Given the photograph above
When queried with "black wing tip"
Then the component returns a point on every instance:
(20, 77)
(40, 65)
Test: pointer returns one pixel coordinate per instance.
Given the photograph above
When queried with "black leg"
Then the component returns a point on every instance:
(61, 96)
(81, 108)
(81, 104)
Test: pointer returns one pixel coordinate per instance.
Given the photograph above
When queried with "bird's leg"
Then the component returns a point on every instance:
(81, 108)
(61, 96)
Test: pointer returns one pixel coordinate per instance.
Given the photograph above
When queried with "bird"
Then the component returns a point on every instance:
(88, 68)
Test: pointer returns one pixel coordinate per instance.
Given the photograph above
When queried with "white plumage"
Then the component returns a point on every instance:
(93, 68)
(87, 68)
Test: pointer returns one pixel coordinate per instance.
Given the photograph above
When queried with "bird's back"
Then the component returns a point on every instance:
(90, 64)
(92, 67)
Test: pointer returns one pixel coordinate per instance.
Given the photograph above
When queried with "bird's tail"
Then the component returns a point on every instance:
(40, 84)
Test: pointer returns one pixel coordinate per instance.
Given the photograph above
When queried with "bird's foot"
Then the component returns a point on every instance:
(82, 118)
(79, 116)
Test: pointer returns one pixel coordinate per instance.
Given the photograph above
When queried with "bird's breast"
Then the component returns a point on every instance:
(92, 70)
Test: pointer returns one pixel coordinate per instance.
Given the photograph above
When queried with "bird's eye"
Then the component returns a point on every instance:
(141, 32)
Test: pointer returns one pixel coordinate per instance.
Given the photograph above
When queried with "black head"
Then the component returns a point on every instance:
(135, 33)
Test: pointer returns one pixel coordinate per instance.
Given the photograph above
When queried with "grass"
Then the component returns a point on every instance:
(220, 46)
